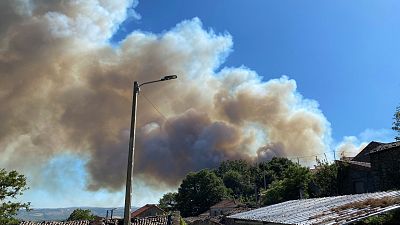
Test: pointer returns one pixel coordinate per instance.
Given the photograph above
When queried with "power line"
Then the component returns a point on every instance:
(154, 106)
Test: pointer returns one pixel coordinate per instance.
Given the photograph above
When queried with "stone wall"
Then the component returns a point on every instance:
(385, 166)
(354, 179)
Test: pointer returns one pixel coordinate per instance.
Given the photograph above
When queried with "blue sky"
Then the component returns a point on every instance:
(343, 54)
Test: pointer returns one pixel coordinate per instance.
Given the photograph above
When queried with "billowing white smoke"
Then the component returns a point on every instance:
(64, 88)
(350, 146)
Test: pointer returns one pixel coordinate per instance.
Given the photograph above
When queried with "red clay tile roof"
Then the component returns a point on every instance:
(143, 209)
(83, 222)
(151, 220)
(227, 203)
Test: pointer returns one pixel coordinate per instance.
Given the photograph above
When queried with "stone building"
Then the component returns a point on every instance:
(147, 210)
(375, 168)
(385, 164)
(224, 206)
(354, 177)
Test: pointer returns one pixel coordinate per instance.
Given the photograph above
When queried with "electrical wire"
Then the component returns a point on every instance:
(154, 106)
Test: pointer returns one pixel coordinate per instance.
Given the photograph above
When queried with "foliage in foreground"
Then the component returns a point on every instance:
(326, 179)
(12, 184)
(181, 221)
(81, 214)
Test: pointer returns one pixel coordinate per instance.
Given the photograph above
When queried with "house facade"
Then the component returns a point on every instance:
(224, 206)
(385, 164)
(375, 168)
(147, 210)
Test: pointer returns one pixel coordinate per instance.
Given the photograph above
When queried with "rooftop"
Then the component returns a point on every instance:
(143, 209)
(356, 163)
(227, 203)
(83, 222)
(383, 147)
(329, 210)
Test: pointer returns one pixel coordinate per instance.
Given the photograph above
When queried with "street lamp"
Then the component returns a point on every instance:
(128, 191)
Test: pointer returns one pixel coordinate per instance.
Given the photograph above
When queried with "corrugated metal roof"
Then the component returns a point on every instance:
(329, 210)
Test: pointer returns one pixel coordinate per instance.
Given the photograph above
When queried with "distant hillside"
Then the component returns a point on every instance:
(60, 214)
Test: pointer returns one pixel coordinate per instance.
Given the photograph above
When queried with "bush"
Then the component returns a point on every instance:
(81, 214)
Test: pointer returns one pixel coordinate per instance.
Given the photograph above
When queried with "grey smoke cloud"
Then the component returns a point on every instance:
(63, 87)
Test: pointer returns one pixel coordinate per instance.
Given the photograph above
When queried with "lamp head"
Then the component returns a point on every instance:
(169, 77)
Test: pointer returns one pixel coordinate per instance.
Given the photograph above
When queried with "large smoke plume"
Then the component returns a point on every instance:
(63, 87)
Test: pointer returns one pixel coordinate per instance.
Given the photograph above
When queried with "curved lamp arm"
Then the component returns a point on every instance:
(169, 77)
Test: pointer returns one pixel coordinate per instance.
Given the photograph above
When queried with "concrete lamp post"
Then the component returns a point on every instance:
(128, 191)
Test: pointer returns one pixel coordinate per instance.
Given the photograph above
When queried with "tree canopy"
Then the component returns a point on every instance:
(264, 183)
(81, 214)
(168, 201)
(292, 185)
(396, 123)
(237, 176)
(326, 179)
(12, 184)
(199, 191)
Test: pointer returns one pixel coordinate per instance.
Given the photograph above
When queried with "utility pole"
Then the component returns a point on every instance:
(128, 190)
(112, 212)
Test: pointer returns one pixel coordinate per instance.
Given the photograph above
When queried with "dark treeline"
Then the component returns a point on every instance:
(261, 184)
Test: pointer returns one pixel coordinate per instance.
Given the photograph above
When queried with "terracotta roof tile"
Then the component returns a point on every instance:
(83, 222)
(143, 209)
(227, 203)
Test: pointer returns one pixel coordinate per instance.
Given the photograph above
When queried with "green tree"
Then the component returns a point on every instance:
(396, 123)
(198, 192)
(12, 184)
(272, 170)
(277, 167)
(168, 201)
(241, 166)
(239, 178)
(234, 181)
(81, 214)
(295, 181)
(326, 179)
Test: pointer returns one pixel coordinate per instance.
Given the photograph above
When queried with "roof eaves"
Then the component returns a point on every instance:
(373, 214)
(384, 147)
